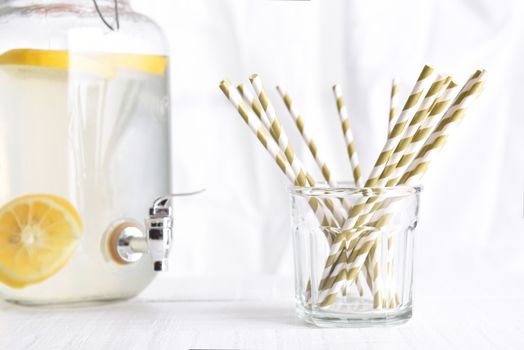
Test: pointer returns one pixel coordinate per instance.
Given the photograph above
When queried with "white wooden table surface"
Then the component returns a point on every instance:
(254, 314)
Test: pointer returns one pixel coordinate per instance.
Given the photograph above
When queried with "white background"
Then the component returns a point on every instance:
(229, 285)
(471, 231)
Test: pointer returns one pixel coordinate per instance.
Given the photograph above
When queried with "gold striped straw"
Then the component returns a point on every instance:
(449, 121)
(344, 243)
(376, 273)
(342, 247)
(337, 259)
(417, 120)
(438, 137)
(273, 124)
(410, 106)
(348, 135)
(275, 129)
(255, 105)
(393, 103)
(421, 114)
(419, 117)
(356, 250)
(365, 272)
(436, 141)
(356, 260)
(394, 136)
(360, 288)
(392, 297)
(335, 267)
(367, 240)
(271, 146)
(297, 118)
(259, 131)
(436, 113)
(312, 146)
(333, 272)
(278, 133)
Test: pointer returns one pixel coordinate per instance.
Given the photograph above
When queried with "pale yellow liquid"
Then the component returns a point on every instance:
(101, 142)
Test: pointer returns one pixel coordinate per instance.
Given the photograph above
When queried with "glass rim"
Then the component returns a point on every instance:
(349, 189)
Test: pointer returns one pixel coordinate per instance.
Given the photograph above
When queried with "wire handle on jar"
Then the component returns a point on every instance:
(117, 20)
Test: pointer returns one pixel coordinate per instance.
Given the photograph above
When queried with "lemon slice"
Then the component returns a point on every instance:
(38, 235)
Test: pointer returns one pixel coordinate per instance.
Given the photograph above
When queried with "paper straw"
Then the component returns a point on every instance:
(333, 260)
(393, 103)
(358, 283)
(334, 265)
(436, 113)
(356, 260)
(439, 136)
(390, 287)
(297, 166)
(376, 285)
(409, 132)
(333, 206)
(344, 243)
(411, 105)
(418, 118)
(394, 136)
(365, 273)
(257, 128)
(348, 135)
(272, 122)
(297, 118)
(406, 155)
(435, 142)
(270, 145)
(312, 146)
(250, 99)
(325, 298)
(336, 276)
(414, 100)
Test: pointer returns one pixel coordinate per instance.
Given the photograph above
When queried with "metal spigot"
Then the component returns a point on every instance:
(159, 229)
(128, 242)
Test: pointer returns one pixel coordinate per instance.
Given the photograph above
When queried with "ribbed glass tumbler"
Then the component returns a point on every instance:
(353, 250)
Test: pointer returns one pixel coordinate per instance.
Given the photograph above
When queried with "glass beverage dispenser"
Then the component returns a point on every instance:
(84, 151)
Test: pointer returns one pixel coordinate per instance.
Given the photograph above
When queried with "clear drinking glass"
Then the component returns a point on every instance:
(353, 250)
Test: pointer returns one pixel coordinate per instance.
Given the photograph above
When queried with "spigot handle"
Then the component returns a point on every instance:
(159, 228)
(127, 243)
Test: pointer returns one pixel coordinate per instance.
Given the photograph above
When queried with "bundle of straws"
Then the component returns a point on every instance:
(416, 133)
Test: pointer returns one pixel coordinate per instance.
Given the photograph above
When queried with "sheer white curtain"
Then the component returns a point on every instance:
(471, 222)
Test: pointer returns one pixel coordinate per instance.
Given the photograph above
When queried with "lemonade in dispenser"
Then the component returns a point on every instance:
(85, 213)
